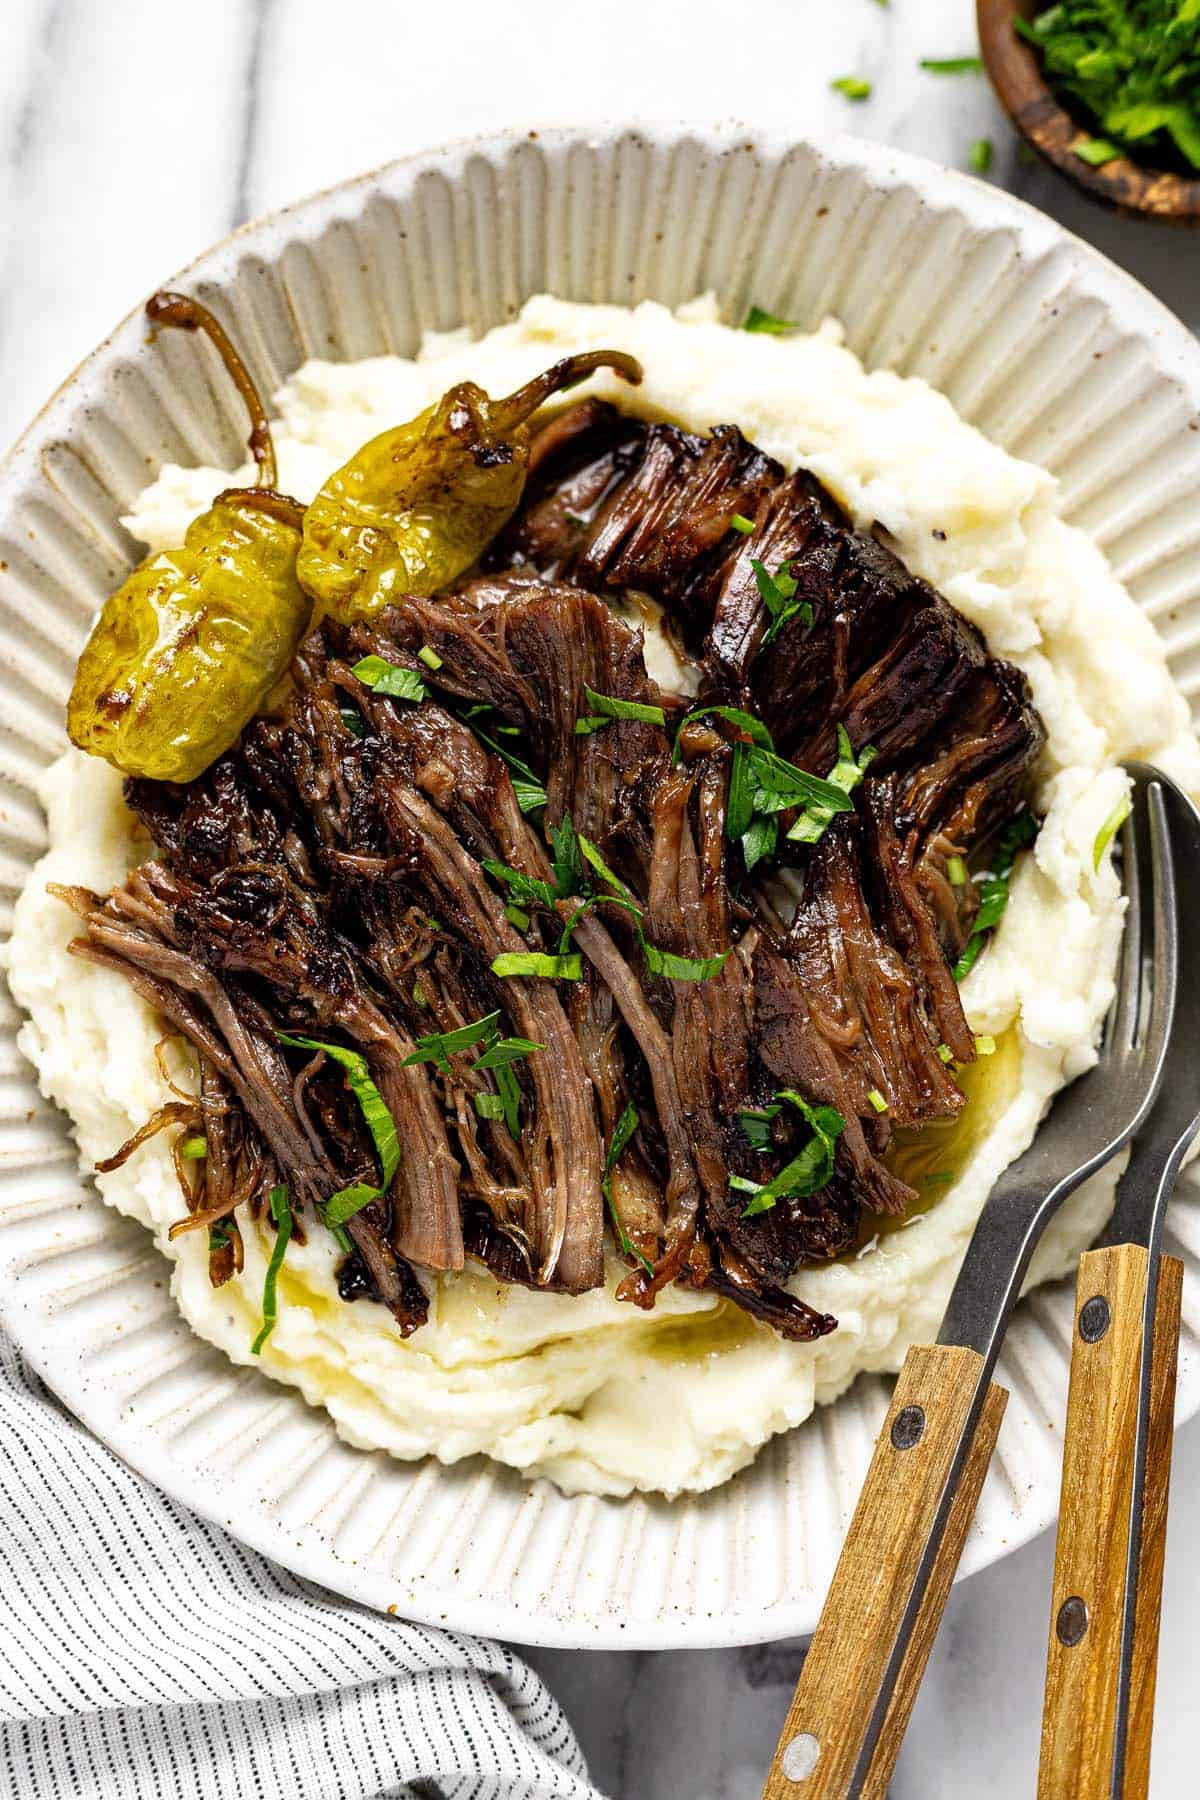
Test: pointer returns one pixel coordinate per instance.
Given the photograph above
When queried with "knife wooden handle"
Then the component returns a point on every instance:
(846, 1664)
(1083, 1664)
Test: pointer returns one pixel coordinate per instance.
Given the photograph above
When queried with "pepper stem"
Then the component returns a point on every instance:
(186, 314)
(505, 415)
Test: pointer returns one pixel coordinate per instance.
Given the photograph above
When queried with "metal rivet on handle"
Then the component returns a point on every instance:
(1094, 1319)
(908, 1427)
(1072, 1621)
(801, 1756)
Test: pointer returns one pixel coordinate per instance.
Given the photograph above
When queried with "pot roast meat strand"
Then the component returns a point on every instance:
(909, 920)
(905, 695)
(293, 953)
(573, 462)
(616, 503)
(672, 513)
(682, 1194)
(173, 983)
(791, 1318)
(562, 1144)
(712, 1051)
(973, 781)
(565, 640)
(839, 1015)
(449, 768)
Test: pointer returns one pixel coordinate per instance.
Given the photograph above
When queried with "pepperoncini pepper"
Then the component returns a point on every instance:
(188, 648)
(418, 504)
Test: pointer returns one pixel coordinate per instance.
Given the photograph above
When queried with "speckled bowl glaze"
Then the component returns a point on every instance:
(1037, 339)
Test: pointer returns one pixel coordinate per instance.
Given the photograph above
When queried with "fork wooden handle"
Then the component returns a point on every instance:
(831, 1710)
(1083, 1665)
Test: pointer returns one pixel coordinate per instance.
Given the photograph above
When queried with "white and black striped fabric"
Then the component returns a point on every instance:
(145, 1655)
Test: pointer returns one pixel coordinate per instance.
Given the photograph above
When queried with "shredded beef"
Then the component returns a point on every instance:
(324, 880)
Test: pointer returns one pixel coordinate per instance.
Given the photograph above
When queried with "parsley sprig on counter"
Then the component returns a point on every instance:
(1130, 69)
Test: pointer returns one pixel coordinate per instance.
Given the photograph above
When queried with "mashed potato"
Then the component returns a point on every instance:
(599, 1396)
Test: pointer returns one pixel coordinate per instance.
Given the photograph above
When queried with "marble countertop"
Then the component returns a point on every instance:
(132, 135)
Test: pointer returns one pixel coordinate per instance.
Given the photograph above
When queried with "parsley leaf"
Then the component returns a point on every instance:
(625, 1127)
(607, 707)
(952, 65)
(567, 860)
(777, 593)
(1104, 836)
(758, 320)
(809, 1170)
(343, 1204)
(1017, 835)
(538, 965)
(845, 775)
(281, 1212)
(389, 678)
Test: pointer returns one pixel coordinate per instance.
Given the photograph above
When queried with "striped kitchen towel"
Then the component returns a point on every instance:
(145, 1655)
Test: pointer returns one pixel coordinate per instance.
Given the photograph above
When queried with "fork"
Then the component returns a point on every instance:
(860, 1678)
(1100, 1669)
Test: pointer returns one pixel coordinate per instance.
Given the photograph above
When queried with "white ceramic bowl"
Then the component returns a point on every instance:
(1037, 339)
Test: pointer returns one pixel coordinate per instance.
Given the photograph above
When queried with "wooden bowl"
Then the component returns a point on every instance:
(1016, 75)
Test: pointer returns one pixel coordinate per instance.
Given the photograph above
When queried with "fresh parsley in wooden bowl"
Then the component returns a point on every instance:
(1107, 92)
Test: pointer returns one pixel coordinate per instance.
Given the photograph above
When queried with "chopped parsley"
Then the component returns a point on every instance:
(758, 320)
(591, 855)
(762, 784)
(352, 719)
(1130, 69)
(520, 886)
(1109, 830)
(809, 1170)
(281, 1212)
(1097, 152)
(389, 678)
(624, 1129)
(439, 1046)
(845, 775)
(1017, 835)
(852, 86)
(607, 707)
(777, 593)
(531, 795)
(952, 65)
(682, 968)
(567, 858)
(538, 965)
(379, 1122)
(756, 1124)
(498, 1055)
(779, 785)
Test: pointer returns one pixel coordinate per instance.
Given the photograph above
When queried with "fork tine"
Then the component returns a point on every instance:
(1164, 969)
(1124, 1019)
